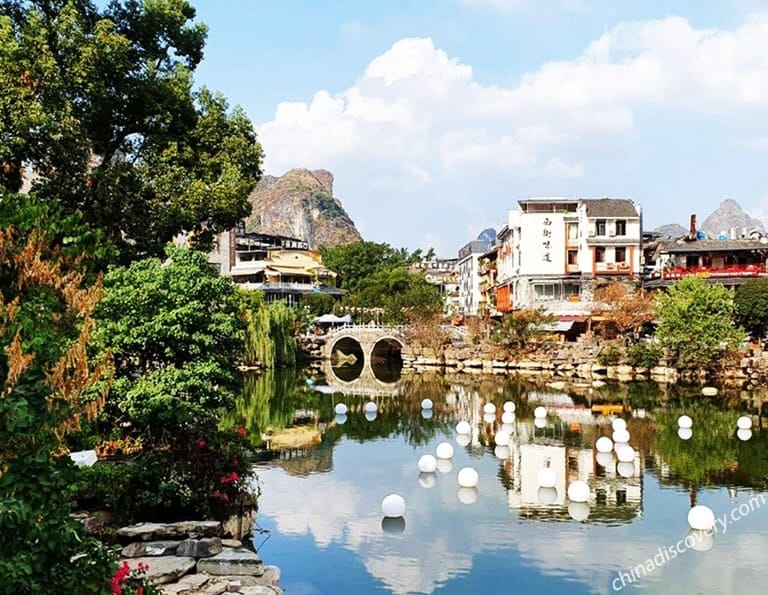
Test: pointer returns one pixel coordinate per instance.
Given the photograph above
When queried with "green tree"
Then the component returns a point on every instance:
(751, 305)
(97, 109)
(696, 322)
(356, 263)
(517, 329)
(176, 336)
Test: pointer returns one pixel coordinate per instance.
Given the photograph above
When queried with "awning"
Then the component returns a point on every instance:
(332, 319)
(561, 326)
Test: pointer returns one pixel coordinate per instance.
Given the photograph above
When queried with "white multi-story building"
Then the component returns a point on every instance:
(553, 251)
(468, 267)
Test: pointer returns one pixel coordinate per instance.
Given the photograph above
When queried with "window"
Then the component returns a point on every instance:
(620, 254)
(600, 254)
(573, 231)
(621, 228)
(544, 292)
(573, 257)
(600, 227)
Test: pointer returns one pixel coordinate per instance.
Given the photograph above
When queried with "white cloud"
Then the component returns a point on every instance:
(417, 117)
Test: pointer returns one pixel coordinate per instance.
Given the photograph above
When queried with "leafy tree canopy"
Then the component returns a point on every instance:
(97, 111)
(696, 322)
(174, 329)
(751, 305)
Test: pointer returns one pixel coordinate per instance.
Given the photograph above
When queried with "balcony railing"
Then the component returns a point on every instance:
(735, 270)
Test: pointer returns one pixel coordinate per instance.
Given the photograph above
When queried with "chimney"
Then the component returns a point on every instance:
(692, 231)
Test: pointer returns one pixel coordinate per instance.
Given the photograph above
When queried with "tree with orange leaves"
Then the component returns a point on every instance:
(626, 310)
(50, 382)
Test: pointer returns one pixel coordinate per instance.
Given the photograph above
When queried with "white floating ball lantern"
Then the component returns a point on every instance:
(489, 408)
(540, 422)
(340, 419)
(427, 480)
(620, 436)
(701, 518)
(547, 478)
(489, 418)
(468, 495)
(625, 469)
(468, 477)
(618, 424)
(684, 421)
(744, 422)
(427, 464)
(604, 444)
(371, 407)
(426, 413)
(509, 407)
(579, 511)
(701, 541)
(393, 506)
(604, 459)
(626, 454)
(547, 495)
(618, 445)
(340, 409)
(502, 438)
(444, 450)
(501, 452)
(540, 412)
(508, 428)
(743, 434)
(709, 391)
(444, 465)
(426, 404)
(508, 417)
(684, 433)
(578, 491)
(463, 440)
(370, 415)
(463, 427)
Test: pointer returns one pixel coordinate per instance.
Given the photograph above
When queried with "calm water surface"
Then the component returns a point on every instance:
(321, 497)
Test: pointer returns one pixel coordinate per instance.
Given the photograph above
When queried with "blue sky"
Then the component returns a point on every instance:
(436, 116)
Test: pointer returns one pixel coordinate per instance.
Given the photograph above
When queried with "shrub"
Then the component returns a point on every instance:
(610, 356)
(644, 355)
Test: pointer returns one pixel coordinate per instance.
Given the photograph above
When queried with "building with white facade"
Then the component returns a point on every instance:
(554, 251)
(468, 268)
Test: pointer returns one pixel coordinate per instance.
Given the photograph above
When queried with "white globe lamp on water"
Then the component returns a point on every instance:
(463, 440)
(444, 450)
(509, 407)
(578, 491)
(502, 438)
(604, 444)
(744, 423)
(427, 404)
(701, 518)
(427, 464)
(393, 506)
(620, 436)
(463, 427)
(626, 454)
(618, 424)
(547, 478)
(684, 433)
(340, 409)
(508, 417)
(579, 511)
(371, 407)
(489, 408)
(468, 477)
(540, 412)
(685, 422)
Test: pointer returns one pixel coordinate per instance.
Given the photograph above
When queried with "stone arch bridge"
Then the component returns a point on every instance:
(371, 342)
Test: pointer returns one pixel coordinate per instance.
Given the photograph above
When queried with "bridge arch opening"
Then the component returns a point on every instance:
(347, 359)
(387, 359)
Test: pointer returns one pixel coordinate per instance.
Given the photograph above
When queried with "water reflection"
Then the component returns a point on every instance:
(512, 523)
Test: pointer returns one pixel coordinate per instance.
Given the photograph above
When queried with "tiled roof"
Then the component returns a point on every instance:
(677, 246)
(610, 207)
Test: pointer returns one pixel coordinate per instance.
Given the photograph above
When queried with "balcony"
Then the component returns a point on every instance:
(736, 270)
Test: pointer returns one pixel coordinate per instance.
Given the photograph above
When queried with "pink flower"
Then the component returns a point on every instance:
(201, 443)
(241, 431)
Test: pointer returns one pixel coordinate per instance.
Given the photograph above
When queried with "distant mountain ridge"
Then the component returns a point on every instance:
(301, 204)
(728, 219)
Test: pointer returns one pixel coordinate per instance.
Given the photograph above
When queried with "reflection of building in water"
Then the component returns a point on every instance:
(612, 496)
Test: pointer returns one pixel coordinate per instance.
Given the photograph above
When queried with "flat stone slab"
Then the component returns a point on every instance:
(163, 569)
(232, 562)
(159, 531)
(200, 548)
(139, 549)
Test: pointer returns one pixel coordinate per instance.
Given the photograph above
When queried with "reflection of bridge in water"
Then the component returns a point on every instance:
(366, 383)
